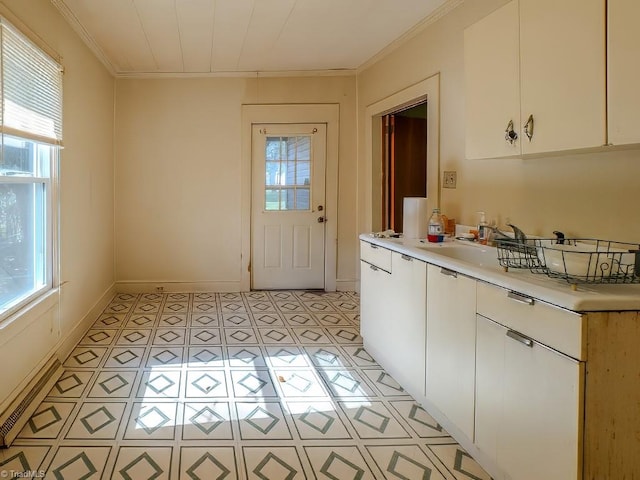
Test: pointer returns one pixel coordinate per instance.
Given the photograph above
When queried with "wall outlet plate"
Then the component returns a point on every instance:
(449, 179)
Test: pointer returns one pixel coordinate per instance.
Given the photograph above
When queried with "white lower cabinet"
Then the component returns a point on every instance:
(393, 316)
(531, 390)
(405, 336)
(374, 317)
(529, 401)
(451, 344)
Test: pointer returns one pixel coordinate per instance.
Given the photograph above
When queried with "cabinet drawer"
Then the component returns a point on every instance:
(375, 255)
(549, 325)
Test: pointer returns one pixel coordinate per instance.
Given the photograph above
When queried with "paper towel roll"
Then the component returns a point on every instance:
(415, 217)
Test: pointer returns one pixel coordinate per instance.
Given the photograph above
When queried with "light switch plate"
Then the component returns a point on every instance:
(449, 180)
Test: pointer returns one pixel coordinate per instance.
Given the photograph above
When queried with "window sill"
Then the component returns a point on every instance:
(22, 318)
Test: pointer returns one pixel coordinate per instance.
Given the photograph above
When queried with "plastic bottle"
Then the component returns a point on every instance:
(483, 229)
(435, 232)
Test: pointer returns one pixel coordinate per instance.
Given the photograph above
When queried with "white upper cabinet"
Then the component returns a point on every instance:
(552, 55)
(623, 71)
(492, 65)
(562, 74)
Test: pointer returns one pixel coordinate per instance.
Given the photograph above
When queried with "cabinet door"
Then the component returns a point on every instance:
(451, 345)
(624, 69)
(374, 290)
(405, 332)
(541, 427)
(492, 88)
(490, 338)
(562, 71)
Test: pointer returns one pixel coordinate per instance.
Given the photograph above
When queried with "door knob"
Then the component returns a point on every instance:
(321, 219)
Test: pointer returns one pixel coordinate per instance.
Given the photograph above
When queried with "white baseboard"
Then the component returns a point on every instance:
(148, 287)
(69, 341)
(346, 285)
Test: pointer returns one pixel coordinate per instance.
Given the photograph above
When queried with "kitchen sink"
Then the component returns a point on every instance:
(478, 255)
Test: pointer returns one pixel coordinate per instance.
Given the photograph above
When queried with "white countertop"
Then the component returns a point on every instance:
(587, 298)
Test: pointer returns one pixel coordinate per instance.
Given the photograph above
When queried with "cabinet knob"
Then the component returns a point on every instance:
(510, 135)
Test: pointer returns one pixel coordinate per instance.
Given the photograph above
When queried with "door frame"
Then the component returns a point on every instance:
(328, 114)
(427, 89)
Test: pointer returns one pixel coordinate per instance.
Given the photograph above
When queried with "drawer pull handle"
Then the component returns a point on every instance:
(407, 258)
(374, 268)
(375, 247)
(520, 338)
(519, 297)
(448, 273)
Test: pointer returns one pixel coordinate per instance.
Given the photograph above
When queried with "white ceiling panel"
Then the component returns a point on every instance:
(268, 19)
(239, 36)
(117, 29)
(196, 20)
(229, 32)
(160, 24)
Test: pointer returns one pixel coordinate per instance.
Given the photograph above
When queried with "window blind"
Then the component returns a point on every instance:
(31, 90)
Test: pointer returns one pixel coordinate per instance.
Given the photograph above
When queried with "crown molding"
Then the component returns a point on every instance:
(433, 17)
(88, 40)
(268, 74)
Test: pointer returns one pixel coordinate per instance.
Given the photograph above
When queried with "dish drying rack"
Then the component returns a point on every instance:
(575, 260)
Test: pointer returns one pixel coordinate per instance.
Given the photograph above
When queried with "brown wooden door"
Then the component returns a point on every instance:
(408, 164)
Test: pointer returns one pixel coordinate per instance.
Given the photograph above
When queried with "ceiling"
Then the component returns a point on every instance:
(235, 37)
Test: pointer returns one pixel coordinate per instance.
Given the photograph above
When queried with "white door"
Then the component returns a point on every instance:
(288, 206)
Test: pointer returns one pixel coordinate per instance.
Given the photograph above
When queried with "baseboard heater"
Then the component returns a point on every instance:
(19, 412)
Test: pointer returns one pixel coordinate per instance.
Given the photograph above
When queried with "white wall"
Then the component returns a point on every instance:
(86, 203)
(178, 176)
(591, 195)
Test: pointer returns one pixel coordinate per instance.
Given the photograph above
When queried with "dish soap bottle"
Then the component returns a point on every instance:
(435, 232)
(483, 229)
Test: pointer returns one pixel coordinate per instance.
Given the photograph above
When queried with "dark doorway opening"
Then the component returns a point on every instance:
(404, 161)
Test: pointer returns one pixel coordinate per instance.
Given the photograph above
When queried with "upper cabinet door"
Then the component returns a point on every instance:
(562, 71)
(492, 84)
(624, 69)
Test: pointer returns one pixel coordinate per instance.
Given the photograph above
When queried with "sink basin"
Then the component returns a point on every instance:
(475, 255)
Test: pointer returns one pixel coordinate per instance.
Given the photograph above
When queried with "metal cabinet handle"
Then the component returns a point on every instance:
(519, 297)
(510, 135)
(407, 258)
(375, 247)
(448, 273)
(518, 337)
(528, 127)
(373, 267)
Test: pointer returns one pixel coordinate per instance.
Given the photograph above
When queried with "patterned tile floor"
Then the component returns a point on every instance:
(259, 385)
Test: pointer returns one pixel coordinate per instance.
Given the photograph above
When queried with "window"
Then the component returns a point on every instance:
(31, 130)
(288, 173)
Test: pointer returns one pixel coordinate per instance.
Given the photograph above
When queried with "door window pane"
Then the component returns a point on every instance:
(303, 173)
(272, 199)
(287, 173)
(272, 173)
(288, 199)
(302, 199)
